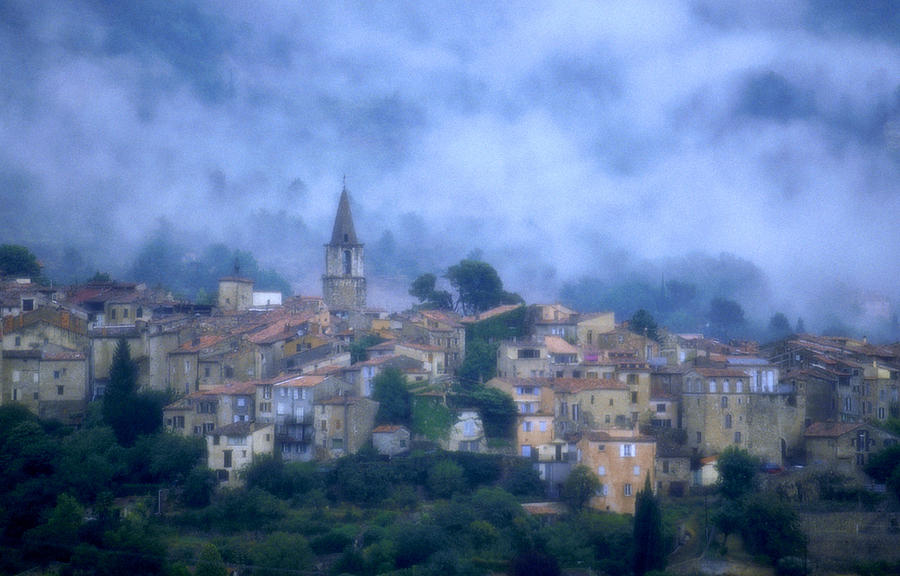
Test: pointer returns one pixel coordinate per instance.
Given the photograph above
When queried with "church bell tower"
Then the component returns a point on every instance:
(344, 281)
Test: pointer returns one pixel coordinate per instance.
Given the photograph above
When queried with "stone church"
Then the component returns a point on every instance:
(344, 281)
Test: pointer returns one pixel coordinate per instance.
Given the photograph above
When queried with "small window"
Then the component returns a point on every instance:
(660, 408)
(18, 340)
(728, 421)
(698, 436)
(56, 374)
(628, 490)
(737, 437)
(724, 401)
(59, 390)
(601, 470)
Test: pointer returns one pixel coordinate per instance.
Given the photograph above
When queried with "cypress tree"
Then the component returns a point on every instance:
(649, 552)
(119, 396)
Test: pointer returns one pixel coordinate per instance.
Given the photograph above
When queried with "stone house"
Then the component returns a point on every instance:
(344, 424)
(590, 327)
(235, 294)
(290, 400)
(719, 410)
(563, 357)
(844, 447)
(391, 440)
(185, 373)
(29, 330)
(881, 390)
(441, 329)
(622, 460)
(534, 401)
(196, 414)
(590, 403)
(523, 359)
(233, 447)
(51, 381)
(555, 320)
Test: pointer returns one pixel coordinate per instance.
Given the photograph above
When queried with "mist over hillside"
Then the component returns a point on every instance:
(588, 151)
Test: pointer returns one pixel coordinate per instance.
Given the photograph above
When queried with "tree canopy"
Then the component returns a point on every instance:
(579, 487)
(18, 261)
(390, 390)
(424, 288)
(478, 287)
(643, 323)
(737, 472)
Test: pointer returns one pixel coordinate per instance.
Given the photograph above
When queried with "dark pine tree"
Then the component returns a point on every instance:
(649, 551)
(120, 392)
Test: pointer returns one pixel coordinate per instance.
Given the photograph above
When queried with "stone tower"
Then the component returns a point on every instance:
(344, 281)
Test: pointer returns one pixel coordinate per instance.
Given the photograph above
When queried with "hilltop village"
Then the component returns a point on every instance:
(258, 374)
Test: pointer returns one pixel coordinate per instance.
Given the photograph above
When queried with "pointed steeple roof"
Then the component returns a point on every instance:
(343, 232)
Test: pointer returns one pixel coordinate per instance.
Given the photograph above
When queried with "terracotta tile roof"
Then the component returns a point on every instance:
(199, 344)
(719, 372)
(490, 313)
(422, 347)
(281, 329)
(441, 316)
(55, 352)
(388, 345)
(387, 429)
(242, 388)
(556, 345)
(574, 385)
(340, 400)
(830, 429)
(301, 381)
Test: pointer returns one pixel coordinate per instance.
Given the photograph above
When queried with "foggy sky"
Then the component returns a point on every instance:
(561, 139)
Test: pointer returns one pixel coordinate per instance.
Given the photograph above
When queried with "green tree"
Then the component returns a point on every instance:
(199, 487)
(390, 390)
(445, 478)
(128, 413)
(18, 261)
(210, 562)
(779, 326)
(578, 489)
(729, 518)
(480, 363)
(281, 553)
(478, 287)
(59, 535)
(424, 288)
(726, 318)
(737, 472)
(772, 529)
(643, 323)
(359, 346)
(649, 547)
